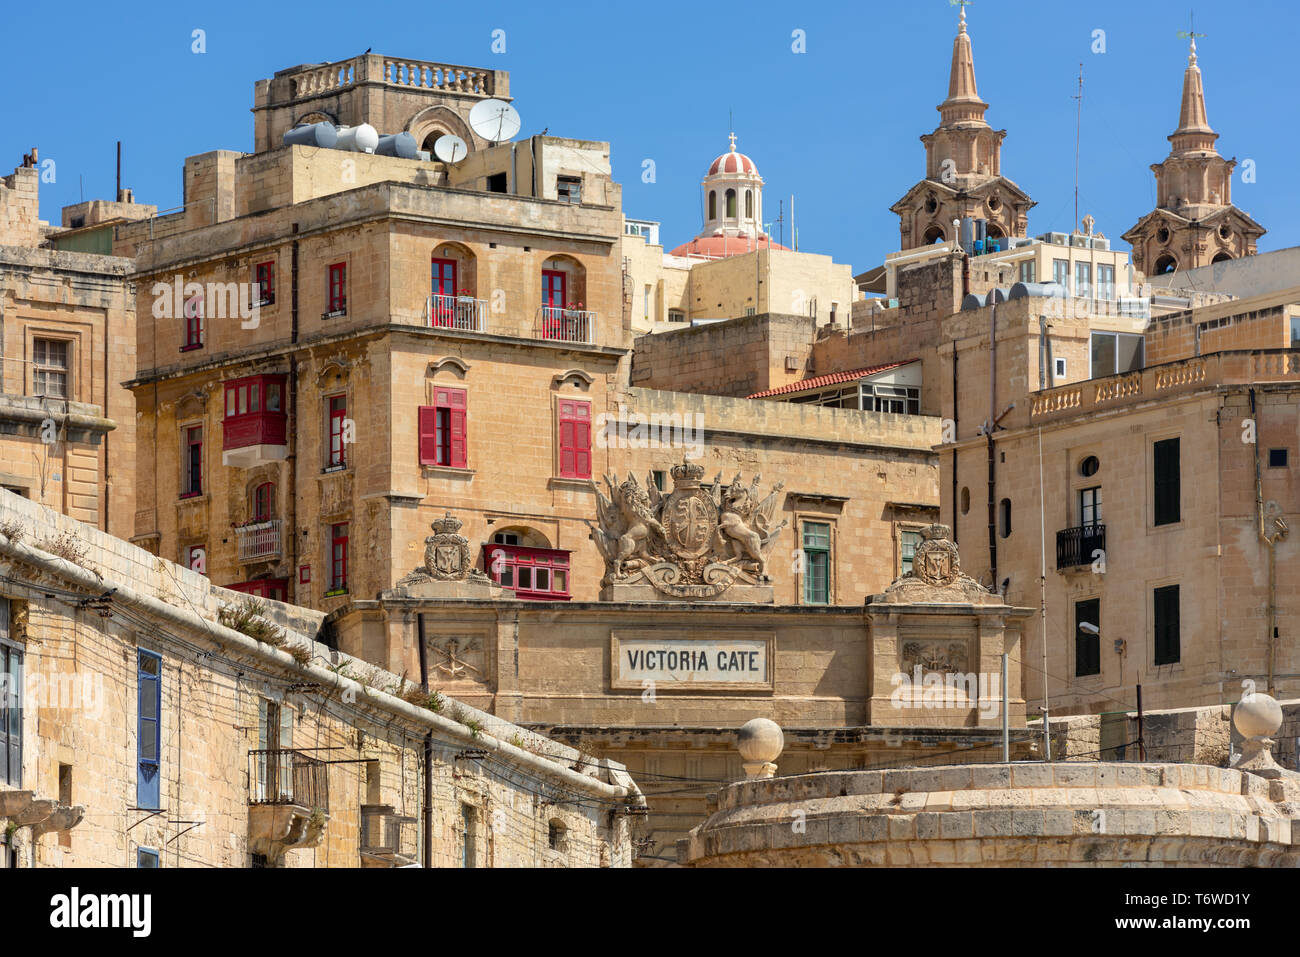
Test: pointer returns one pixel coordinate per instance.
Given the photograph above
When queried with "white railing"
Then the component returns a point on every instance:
(456, 312)
(259, 540)
(566, 325)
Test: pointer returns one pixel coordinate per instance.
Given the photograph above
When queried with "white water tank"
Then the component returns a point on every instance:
(358, 139)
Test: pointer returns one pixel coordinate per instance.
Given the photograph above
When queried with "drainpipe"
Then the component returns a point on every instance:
(428, 748)
(954, 438)
(1271, 542)
(291, 429)
(993, 474)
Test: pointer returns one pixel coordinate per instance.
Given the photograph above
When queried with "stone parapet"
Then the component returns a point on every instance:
(1003, 815)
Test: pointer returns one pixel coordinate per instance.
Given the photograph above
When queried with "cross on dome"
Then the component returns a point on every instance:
(733, 142)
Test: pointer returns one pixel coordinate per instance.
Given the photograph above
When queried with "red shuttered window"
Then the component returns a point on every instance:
(337, 423)
(575, 439)
(442, 430)
(338, 287)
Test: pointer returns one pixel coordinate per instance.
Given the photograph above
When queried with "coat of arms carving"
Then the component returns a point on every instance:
(446, 556)
(936, 574)
(694, 542)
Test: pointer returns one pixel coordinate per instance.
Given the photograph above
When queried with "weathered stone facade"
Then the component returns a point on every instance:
(67, 335)
(334, 777)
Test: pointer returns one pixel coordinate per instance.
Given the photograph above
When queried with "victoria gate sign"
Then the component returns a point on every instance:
(675, 662)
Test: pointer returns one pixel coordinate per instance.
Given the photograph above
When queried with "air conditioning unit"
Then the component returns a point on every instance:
(1056, 239)
(1078, 239)
(791, 364)
(1100, 242)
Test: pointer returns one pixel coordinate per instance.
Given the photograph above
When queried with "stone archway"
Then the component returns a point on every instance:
(435, 121)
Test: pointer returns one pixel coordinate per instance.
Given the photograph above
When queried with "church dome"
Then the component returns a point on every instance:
(733, 162)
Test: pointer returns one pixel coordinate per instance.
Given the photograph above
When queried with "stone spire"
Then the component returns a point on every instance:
(1194, 222)
(1194, 132)
(963, 166)
(963, 105)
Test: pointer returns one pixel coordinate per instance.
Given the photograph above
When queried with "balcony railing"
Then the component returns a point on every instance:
(283, 776)
(387, 837)
(259, 541)
(456, 312)
(1075, 546)
(566, 325)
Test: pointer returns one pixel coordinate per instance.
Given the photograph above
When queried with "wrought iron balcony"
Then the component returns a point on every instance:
(566, 325)
(258, 541)
(387, 838)
(456, 312)
(1075, 546)
(283, 776)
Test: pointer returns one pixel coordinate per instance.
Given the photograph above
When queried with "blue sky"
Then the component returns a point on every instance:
(837, 126)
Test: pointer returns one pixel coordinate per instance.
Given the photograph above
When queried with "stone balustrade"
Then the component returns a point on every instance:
(417, 74)
(1241, 367)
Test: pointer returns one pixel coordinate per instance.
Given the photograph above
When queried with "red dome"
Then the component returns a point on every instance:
(733, 162)
(720, 247)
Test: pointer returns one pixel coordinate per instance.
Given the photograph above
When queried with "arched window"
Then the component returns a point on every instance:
(731, 204)
(713, 204)
(1166, 264)
(749, 204)
(934, 235)
(264, 502)
(1222, 258)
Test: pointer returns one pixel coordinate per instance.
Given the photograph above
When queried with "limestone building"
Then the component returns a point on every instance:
(733, 267)
(1195, 222)
(67, 342)
(1153, 480)
(154, 720)
(354, 343)
(963, 167)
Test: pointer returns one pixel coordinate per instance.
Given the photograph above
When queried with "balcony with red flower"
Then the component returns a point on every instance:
(255, 425)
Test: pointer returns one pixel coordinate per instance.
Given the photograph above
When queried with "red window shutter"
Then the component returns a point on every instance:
(582, 442)
(454, 401)
(458, 457)
(428, 435)
(575, 439)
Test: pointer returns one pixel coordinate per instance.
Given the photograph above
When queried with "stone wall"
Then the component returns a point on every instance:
(80, 730)
(1024, 815)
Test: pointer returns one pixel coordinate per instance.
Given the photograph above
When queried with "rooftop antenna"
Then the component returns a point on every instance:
(494, 120)
(1078, 126)
(117, 197)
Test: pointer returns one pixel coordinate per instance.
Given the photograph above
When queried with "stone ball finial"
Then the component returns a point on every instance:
(760, 742)
(1258, 715)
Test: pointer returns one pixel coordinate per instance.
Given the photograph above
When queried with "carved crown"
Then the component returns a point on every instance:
(936, 532)
(687, 474)
(447, 525)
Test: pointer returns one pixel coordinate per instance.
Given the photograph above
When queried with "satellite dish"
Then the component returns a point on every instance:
(494, 120)
(450, 149)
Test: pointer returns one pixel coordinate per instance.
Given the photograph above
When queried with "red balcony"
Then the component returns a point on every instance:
(276, 589)
(254, 430)
(535, 574)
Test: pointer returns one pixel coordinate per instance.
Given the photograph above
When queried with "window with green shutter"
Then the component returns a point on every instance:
(817, 563)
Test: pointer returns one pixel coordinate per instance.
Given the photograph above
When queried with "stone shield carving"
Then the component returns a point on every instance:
(446, 556)
(936, 575)
(695, 542)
